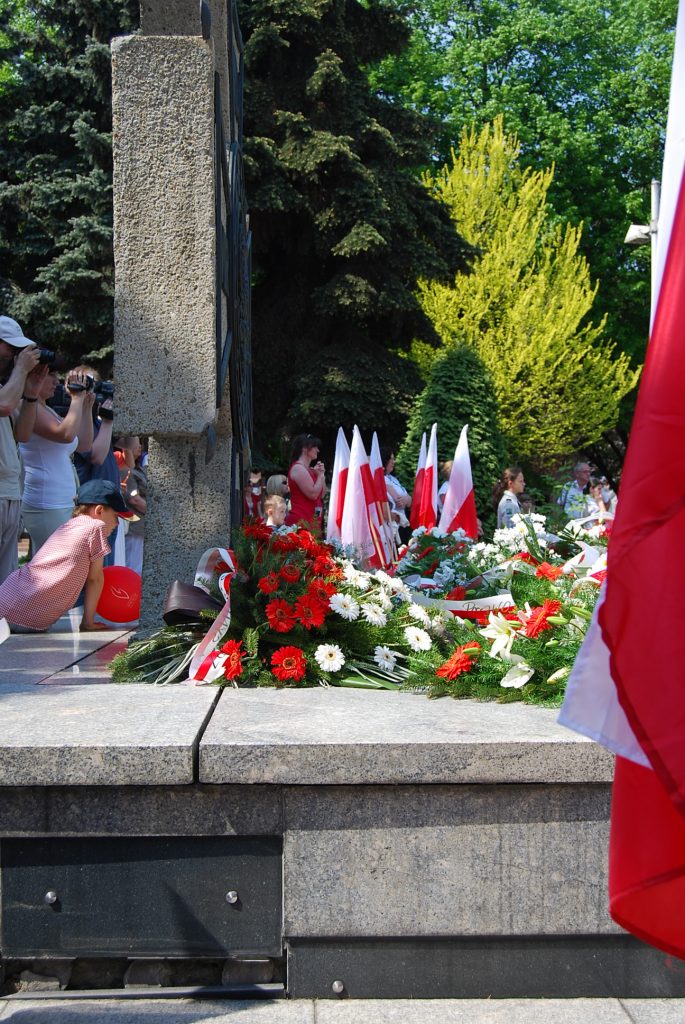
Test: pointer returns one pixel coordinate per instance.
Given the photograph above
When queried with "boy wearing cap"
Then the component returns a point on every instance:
(37, 594)
(20, 379)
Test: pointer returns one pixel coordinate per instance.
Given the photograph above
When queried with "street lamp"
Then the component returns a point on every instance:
(645, 234)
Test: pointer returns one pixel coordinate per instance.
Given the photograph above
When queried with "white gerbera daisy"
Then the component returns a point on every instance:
(418, 639)
(329, 657)
(385, 658)
(374, 614)
(382, 600)
(345, 606)
(419, 613)
(383, 578)
(357, 579)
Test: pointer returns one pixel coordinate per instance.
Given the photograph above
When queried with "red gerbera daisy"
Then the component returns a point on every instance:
(537, 620)
(288, 663)
(290, 573)
(269, 583)
(309, 611)
(457, 594)
(524, 556)
(257, 530)
(233, 666)
(548, 572)
(461, 661)
(321, 591)
(323, 565)
(280, 615)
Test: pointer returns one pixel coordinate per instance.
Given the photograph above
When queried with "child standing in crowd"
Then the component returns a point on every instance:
(275, 509)
(37, 594)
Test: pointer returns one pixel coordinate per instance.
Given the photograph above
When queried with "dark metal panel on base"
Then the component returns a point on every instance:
(501, 968)
(135, 896)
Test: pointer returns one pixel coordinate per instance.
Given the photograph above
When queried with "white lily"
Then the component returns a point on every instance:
(502, 632)
(519, 673)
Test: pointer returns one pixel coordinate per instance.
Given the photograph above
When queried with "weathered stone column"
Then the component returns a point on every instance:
(166, 322)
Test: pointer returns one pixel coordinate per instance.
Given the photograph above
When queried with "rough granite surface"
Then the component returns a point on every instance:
(100, 735)
(330, 736)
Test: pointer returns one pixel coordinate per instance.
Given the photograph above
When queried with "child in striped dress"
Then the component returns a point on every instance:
(37, 594)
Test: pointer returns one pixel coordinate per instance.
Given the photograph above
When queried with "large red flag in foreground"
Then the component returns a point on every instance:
(628, 687)
(459, 507)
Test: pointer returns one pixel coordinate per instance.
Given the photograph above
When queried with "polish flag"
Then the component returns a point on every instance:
(336, 504)
(459, 506)
(428, 509)
(382, 501)
(417, 493)
(355, 529)
(626, 689)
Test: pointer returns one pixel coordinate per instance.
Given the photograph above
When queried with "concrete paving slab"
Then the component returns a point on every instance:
(329, 736)
(655, 1011)
(155, 1011)
(101, 735)
(95, 667)
(472, 1011)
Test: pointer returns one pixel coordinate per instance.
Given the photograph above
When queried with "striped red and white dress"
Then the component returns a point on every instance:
(36, 594)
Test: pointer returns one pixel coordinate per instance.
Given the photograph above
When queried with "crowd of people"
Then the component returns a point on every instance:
(80, 494)
(77, 493)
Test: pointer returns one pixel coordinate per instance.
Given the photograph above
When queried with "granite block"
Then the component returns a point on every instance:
(141, 811)
(654, 1011)
(447, 861)
(28, 658)
(329, 736)
(101, 735)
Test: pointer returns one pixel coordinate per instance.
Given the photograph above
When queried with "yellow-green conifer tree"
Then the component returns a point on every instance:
(525, 306)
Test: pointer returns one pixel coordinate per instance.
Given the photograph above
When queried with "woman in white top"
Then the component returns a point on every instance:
(505, 495)
(50, 483)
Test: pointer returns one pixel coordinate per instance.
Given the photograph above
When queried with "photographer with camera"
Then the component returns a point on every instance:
(99, 463)
(21, 375)
(49, 477)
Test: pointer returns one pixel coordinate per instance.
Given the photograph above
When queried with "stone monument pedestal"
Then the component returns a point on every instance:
(347, 843)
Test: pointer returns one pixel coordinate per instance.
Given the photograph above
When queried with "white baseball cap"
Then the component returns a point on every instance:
(11, 332)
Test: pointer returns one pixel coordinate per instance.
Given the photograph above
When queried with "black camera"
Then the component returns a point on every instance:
(104, 389)
(75, 385)
(46, 357)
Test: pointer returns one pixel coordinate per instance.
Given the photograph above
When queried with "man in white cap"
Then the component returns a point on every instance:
(21, 376)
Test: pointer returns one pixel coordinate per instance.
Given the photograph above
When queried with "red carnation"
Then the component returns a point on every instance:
(233, 666)
(288, 663)
(309, 611)
(548, 572)
(290, 573)
(461, 661)
(537, 620)
(269, 583)
(280, 615)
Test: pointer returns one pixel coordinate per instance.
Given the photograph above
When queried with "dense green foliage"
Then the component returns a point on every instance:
(342, 226)
(525, 307)
(460, 391)
(371, 387)
(584, 86)
(56, 272)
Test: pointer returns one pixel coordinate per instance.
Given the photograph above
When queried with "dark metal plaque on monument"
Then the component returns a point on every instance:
(151, 896)
(233, 261)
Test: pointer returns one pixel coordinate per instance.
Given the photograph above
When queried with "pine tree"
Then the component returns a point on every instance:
(56, 263)
(460, 390)
(525, 308)
(342, 227)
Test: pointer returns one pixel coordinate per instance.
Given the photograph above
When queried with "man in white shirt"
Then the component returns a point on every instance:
(572, 499)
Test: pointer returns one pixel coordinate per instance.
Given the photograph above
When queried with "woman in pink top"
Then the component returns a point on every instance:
(306, 482)
(37, 594)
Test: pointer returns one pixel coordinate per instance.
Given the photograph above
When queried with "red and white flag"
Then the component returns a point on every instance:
(627, 688)
(381, 489)
(417, 493)
(336, 503)
(459, 506)
(360, 522)
(428, 508)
